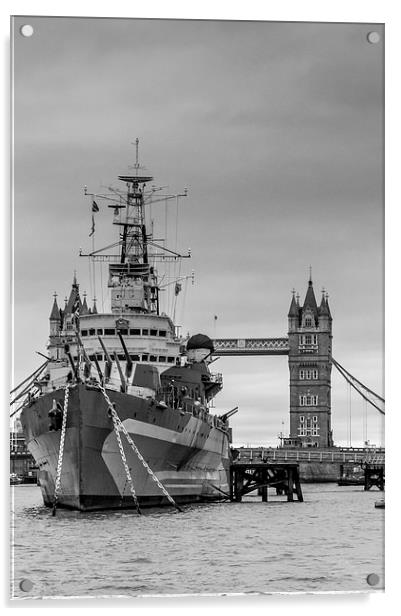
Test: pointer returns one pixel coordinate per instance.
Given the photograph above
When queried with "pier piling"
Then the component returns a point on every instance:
(246, 477)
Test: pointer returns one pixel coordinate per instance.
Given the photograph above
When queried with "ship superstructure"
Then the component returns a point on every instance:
(126, 372)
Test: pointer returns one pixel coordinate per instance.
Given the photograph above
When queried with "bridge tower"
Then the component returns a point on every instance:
(309, 338)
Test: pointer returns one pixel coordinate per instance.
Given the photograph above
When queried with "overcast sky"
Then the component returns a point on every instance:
(276, 129)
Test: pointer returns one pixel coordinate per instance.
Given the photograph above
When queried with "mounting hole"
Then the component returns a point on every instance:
(26, 30)
(26, 585)
(373, 37)
(373, 579)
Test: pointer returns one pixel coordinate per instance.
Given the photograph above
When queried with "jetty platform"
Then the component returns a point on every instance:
(316, 464)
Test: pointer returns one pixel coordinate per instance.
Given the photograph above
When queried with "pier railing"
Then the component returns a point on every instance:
(357, 455)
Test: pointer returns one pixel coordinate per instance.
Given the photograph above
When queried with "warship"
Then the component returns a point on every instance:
(120, 413)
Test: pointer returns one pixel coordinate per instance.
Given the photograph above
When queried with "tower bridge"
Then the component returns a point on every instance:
(251, 346)
(309, 349)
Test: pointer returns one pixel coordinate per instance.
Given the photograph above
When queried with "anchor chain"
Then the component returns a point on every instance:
(124, 461)
(121, 448)
(61, 450)
(118, 425)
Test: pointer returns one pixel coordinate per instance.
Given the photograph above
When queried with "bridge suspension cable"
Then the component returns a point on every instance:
(366, 393)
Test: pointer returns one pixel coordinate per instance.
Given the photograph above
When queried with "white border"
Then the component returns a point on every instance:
(308, 10)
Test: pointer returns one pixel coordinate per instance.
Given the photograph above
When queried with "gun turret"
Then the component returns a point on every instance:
(225, 416)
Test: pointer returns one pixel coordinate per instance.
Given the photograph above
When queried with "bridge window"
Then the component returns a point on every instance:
(153, 358)
(307, 375)
(84, 332)
(308, 339)
(99, 332)
(123, 332)
(170, 360)
(135, 332)
(145, 332)
(99, 356)
(162, 359)
(308, 400)
(162, 333)
(145, 357)
(110, 332)
(153, 332)
(135, 357)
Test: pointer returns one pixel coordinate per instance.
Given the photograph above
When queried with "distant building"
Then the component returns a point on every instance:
(309, 338)
(21, 461)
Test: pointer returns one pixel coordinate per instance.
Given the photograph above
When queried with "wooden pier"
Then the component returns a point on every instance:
(245, 477)
(374, 476)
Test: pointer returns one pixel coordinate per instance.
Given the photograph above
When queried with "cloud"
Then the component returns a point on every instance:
(275, 128)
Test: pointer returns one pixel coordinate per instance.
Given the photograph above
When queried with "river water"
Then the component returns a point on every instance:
(330, 542)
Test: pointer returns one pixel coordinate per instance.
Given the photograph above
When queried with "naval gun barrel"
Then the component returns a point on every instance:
(109, 363)
(225, 416)
(129, 364)
(88, 362)
(73, 365)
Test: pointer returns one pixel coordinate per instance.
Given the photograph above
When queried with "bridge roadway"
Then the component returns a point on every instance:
(251, 346)
(335, 455)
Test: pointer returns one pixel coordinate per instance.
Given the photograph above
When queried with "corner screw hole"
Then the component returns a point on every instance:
(373, 579)
(26, 585)
(373, 37)
(26, 30)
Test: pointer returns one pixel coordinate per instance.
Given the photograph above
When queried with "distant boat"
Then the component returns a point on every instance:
(351, 475)
(379, 504)
(14, 479)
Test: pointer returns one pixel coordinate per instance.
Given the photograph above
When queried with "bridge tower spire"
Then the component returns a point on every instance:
(309, 360)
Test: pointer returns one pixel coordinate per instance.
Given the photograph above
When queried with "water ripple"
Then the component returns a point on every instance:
(329, 543)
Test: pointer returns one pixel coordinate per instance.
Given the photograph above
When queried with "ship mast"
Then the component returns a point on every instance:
(132, 278)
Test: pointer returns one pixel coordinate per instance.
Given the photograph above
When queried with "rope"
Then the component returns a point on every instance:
(119, 426)
(101, 283)
(341, 368)
(348, 379)
(22, 405)
(34, 373)
(22, 393)
(61, 450)
(350, 414)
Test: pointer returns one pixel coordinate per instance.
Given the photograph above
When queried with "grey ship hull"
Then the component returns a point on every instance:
(188, 453)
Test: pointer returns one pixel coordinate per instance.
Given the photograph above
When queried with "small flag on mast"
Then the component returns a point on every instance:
(95, 208)
(93, 226)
